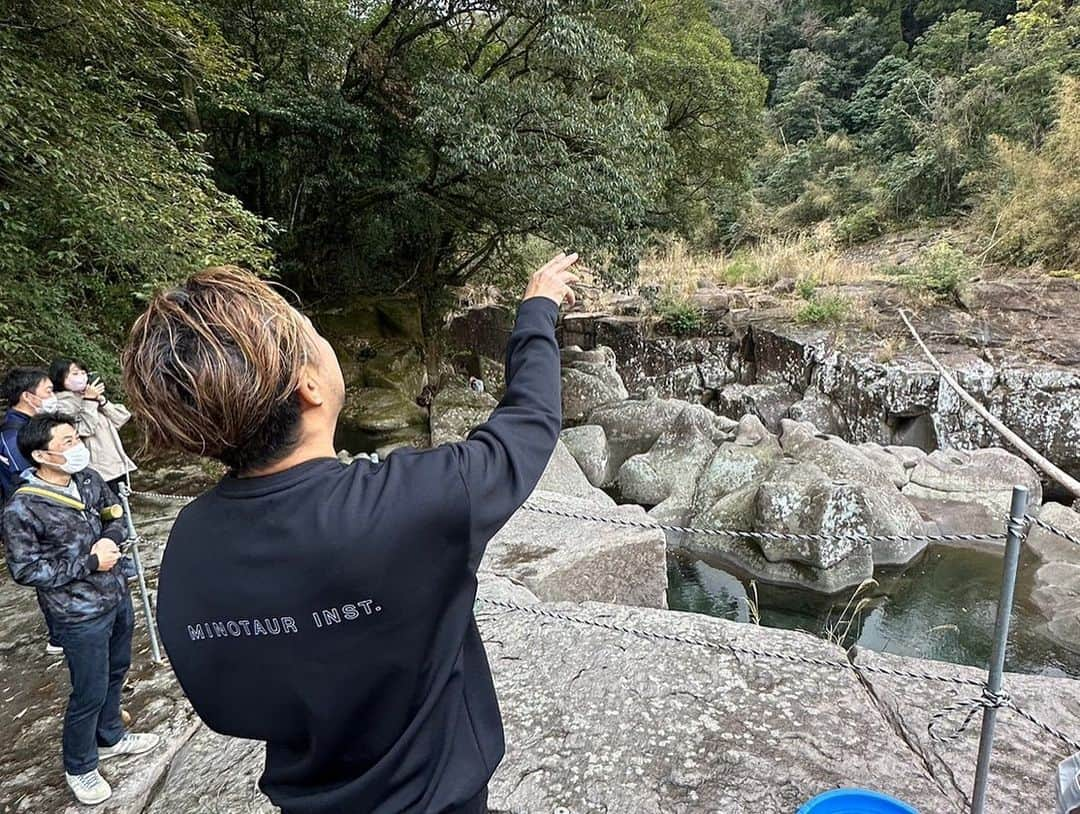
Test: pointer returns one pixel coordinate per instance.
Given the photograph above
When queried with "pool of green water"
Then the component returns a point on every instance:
(942, 606)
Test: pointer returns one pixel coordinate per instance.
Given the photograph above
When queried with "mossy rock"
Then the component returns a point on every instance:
(396, 366)
(456, 410)
(372, 318)
(380, 409)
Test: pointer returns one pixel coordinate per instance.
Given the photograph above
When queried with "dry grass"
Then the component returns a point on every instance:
(838, 630)
(890, 349)
(677, 270)
(753, 605)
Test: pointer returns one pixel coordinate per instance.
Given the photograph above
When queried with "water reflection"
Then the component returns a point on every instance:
(940, 607)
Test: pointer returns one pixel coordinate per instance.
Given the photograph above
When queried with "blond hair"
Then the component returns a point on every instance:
(213, 367)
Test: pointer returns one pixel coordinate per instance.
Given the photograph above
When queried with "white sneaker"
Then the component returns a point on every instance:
(130, 744)
(53, 650)
(90, 788)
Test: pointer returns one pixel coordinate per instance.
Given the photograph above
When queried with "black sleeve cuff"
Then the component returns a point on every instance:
(540, 306)
(117, 535)
(92, 563)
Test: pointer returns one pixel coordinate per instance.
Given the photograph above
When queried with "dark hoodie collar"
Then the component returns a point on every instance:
(232, 486)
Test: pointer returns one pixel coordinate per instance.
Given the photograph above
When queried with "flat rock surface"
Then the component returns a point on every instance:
(597, 720)
(1023, 768)
(601, 720)
(556, 559)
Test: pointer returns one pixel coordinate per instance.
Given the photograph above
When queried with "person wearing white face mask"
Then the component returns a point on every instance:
(97, 419)
(28, 392)
(62, 534)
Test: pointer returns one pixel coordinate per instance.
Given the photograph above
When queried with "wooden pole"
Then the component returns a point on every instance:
(1062, 477)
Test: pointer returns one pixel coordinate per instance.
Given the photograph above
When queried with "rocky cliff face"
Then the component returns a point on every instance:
(776, 371)
(755, 361)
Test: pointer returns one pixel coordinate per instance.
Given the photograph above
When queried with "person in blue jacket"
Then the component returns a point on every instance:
(322, 608)
(27, 391)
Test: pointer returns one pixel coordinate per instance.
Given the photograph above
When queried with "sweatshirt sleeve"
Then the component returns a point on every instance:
(84, 411)
(118, 414)
(502, 460)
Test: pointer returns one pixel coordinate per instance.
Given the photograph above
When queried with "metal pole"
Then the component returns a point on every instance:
(1015, 529)
(133, 537)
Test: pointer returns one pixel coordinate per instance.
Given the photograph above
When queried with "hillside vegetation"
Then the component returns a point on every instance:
(373, 147)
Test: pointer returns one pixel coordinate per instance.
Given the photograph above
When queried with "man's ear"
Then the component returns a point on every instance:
(310, 389)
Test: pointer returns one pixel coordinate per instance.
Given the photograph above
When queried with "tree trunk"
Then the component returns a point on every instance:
(431, 295)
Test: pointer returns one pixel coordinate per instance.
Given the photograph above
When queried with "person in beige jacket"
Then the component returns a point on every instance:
(97, 419)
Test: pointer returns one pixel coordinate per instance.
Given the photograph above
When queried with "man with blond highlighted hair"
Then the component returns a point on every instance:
(328, 609)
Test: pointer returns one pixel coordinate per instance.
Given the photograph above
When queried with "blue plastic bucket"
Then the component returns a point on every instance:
(855, 801)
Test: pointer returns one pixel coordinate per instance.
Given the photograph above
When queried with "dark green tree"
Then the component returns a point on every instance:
(408, 145)
(100, 195)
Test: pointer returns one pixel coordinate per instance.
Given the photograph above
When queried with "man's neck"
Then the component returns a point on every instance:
(61, 479)
(27, 411)
(304, 452)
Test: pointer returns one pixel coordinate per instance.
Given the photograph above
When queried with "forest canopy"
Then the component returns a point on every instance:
(412, 146)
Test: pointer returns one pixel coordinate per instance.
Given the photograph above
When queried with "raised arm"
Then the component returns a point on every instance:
(502, 460)
(84, 411)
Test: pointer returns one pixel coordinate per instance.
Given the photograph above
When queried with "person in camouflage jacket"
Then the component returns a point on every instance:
(48, 547)
(62, 531)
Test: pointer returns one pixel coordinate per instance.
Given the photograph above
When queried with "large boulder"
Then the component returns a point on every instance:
(381, 410)
(744, 460)
(896, 462)
(1056, 592)
(839, 460)
(769, 402)
(456, 409)
(632, 426)
(563, 475)
(589, 380)
(588, 445)
(395, 366)
(817, 409)
(799, 499)
(981, 479)
(733, 473)
(665, 477)
(566, 559)
(484, 329)
(739, 511)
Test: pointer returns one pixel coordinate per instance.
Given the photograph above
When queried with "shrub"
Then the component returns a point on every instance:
(942, 271)
(860, 226)
(679, 315)
(1031, 205)
(743, 268)
(830, 309)
(805, 288)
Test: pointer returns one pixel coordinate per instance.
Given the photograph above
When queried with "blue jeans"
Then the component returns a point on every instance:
(98, 653)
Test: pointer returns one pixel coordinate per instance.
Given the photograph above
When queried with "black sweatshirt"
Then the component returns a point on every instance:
(328, 609)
